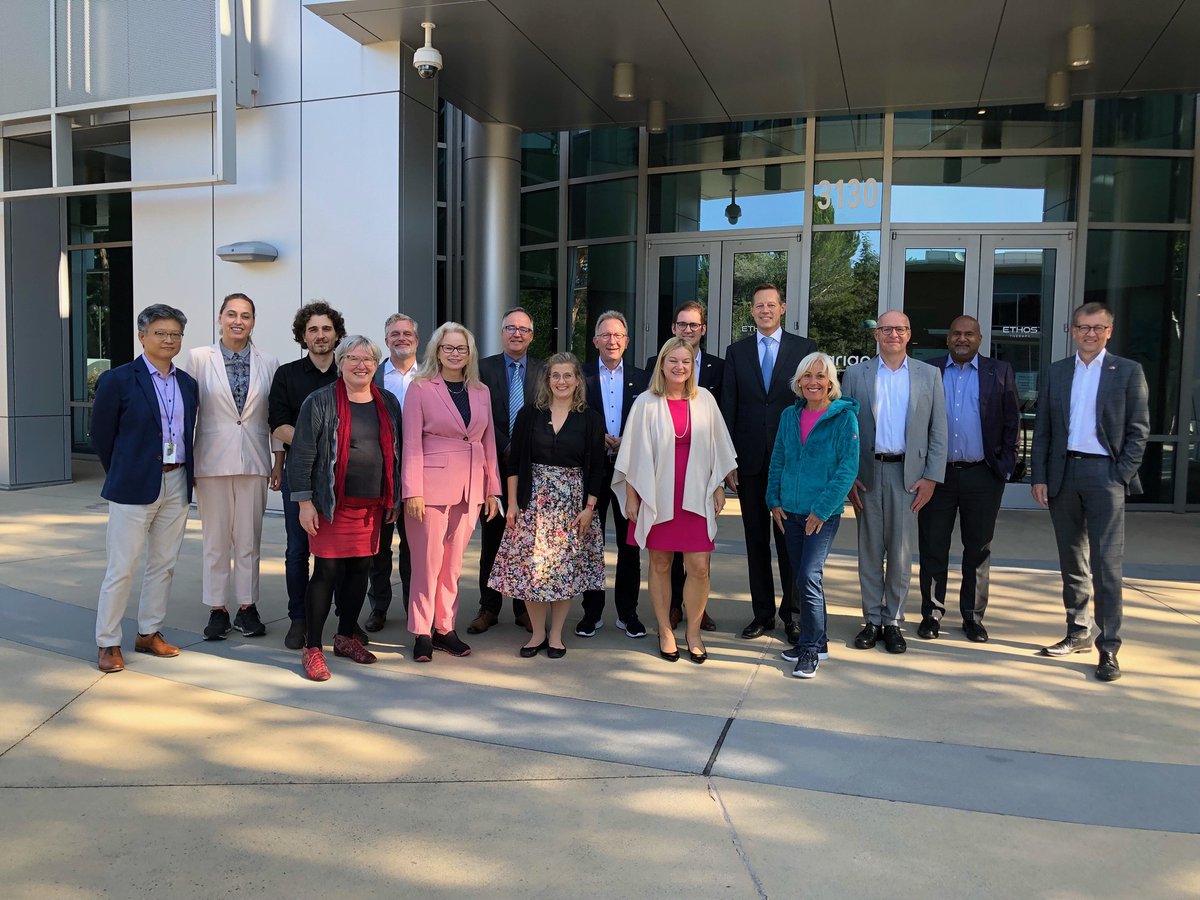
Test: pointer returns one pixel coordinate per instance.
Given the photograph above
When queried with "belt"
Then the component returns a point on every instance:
(890, 457)
(171, 467)
(1071, 454)
(963, 464)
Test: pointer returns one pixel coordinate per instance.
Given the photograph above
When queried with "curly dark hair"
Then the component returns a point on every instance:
(317, 308)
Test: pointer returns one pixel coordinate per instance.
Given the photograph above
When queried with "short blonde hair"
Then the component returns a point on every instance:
(658, 381)
(431, 367)
(809, 362)
(545, 395)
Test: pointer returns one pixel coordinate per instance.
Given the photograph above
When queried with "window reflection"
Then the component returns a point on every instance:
(539, 216)
(719, 142)
(972, 189)
(538, 288)
(999, 128)
(849, 134)
(725, 199)
(602, 278)
(848, 192)
(601, 209)
(1140, 189)
(539, 157)
(680, 279)
(603, 151)
(844, 294)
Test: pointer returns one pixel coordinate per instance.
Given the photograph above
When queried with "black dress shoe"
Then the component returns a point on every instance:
(928, 628)
(893, 640)
(792, 630)
(868, 637)
(758, 629)
(294, 639)
(975, 632)
(531, 652)
(375, 620)
(695, 657)
(1072, 643)
(556, 652)
(1108, 670)
(669, 656)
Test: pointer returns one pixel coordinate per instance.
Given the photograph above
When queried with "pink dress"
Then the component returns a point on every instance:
(686, 532)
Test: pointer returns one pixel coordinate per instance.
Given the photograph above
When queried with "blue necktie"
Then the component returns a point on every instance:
(768, 362)
(516, 394)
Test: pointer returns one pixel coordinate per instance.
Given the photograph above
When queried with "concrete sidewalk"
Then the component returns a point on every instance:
(954, 770)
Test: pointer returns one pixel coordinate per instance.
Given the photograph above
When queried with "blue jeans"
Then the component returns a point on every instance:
(807, 553)
(295, 557)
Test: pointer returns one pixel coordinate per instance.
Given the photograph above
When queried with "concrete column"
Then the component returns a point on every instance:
(492, 175)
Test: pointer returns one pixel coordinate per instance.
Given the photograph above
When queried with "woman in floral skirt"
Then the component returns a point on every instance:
(552, 548)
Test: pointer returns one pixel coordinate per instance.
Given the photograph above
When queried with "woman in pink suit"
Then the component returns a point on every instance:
(448, 472)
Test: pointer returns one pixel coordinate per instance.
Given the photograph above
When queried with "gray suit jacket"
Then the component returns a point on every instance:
(925, 425)
(1122, 421)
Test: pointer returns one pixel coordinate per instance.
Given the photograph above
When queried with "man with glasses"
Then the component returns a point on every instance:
(1093, 418)
(611, 389)
(755, 391)
(143, 420)
(902, 457)
(690, 322)
(512, 377)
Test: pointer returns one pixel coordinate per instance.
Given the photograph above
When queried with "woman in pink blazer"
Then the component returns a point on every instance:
(448, 471)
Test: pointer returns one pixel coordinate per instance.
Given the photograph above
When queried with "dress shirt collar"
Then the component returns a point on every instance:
(509, 360)
(774, 335)
(617, 372)
(1094, 363)
(973, 362)
(389, 367)
(883, 365)
(154, 371)
(244, 353)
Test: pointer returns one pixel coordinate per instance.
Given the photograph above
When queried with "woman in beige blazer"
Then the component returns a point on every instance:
(235, 459)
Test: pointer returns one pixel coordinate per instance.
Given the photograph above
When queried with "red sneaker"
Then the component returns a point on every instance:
(314, 664)
(350, 647)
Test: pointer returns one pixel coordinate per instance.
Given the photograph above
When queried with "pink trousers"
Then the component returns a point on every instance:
(437, 545)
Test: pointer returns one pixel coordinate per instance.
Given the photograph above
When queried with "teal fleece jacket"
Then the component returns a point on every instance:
(815, 476)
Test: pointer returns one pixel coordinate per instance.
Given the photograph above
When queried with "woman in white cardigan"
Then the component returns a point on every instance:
(674, 457)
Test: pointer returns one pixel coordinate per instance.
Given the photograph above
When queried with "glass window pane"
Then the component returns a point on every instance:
(102, 323)
(680, 279)
(602, 278)
(1141, 276)
(1193, 476)
(975, 189)
(1157, 474)
(724, 199)
(849, 134)
(442, 235)
(1141, 189)
(844, 294)
(717, 142)
(441, 174)
(750, 269)
(101, 154)
(603, 209)
(96, 218)
(848, 191)
(538, 291)
(999, 128)
(1162, 121)
(603, 151)
(539, 216)
(539, 157)
(935, 281)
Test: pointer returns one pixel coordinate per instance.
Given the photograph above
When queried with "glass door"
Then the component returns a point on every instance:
(675, 273)
(935, 278)
(745, 265)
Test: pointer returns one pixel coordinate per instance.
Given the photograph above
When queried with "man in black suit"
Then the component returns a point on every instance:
(1093, 418)
(754, 393)
(984, 420)
(690, 322)
(611, 389)
(502, 372)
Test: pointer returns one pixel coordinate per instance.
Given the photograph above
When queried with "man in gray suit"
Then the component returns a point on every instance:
(1092, 421)
(902, 455)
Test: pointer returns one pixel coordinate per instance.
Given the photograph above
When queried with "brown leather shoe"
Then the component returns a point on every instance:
(155, 644)
(109, 659)
(482, 622)
(522, 621)
(675, 617)
(707, 624)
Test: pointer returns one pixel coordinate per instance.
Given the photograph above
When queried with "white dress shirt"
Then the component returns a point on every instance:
(890, 407)
(612, 395)
(1081, 429)
(774, 337)
(396, 381)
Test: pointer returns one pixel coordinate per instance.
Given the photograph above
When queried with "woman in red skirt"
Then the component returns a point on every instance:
(669, 472)
(344, 472)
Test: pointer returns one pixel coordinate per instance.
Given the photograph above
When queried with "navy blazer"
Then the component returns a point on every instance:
(712, 370)
(493, 372)
(999, 413)
(636, 381)
(127, 432)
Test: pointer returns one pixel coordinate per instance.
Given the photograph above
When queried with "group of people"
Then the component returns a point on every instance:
(365, 448)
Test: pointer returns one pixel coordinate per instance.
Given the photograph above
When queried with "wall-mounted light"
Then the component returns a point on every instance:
(1081, 46)
(656, 117)
(1058, 90)
(624, 82)
(248, 251)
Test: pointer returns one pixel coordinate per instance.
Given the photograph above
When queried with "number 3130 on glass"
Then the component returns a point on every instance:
(843, 194)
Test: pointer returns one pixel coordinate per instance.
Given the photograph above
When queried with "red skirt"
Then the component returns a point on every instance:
(354, 531)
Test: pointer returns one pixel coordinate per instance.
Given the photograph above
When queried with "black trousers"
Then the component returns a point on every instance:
(492, 533)
(973, 496)
(756, 522)
(345, 576)
(678, 577)
(379, 594)
(629, 560)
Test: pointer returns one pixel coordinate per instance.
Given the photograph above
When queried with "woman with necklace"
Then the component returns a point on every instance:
(553, 548)
(669, 474)
(449, 471)
(813, 466)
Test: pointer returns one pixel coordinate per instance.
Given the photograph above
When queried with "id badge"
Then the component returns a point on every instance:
(168, 453)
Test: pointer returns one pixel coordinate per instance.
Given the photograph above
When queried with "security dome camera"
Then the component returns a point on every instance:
(733, 212)
(427, 61)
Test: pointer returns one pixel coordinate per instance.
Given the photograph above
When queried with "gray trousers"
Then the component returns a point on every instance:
(887, 538)
(1088, 513)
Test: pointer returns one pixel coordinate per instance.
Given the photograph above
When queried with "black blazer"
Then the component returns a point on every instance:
(999, 413)
(752, 413)
(493, 372)
(595, 472)
(636, 381)
(712, 371)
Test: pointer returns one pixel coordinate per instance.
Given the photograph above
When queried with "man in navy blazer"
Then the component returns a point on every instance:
(754, 393)
(611, 388)
(143, 419)
(983, 426)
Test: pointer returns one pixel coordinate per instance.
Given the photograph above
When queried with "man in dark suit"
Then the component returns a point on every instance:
(690, 322)
(611, 389)
(754, 393)
(983, 425)
(503, 372)
(1093, 418)
(143, 420)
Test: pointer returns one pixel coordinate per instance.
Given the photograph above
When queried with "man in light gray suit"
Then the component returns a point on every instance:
(1092, 421)
(902, 455)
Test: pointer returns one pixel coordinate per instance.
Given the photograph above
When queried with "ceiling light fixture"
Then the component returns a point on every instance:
(1058, 90)
(1081, 46)
(624, 80)
(656, 117)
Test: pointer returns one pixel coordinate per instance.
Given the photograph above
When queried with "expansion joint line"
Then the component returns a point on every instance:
(733, 836)
(49, 718)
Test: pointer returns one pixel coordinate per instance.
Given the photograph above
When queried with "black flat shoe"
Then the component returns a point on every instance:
(556, 652)
(531, 652)
(422, 648)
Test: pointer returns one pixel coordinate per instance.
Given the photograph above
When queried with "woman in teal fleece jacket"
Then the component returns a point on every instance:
(813, 466)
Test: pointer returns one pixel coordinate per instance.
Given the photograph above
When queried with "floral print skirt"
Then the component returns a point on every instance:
(542, 558)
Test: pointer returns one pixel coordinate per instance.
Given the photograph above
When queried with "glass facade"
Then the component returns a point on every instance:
(998, 128)
(984, 189)
(724, 199)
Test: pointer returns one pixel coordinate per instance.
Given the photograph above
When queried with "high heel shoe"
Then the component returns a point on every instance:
(695, 657)
(672, 656)
(531, 652)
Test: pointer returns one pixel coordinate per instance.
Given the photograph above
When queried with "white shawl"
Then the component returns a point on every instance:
(646, 461)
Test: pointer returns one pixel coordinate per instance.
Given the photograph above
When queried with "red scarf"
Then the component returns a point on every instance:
(386, 439)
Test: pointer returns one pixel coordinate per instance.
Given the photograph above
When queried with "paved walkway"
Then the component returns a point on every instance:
(953, 770)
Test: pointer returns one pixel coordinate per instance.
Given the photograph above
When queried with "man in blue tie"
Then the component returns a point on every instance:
(512, 378)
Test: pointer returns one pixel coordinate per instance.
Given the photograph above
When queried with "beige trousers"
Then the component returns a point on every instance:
(231, 514)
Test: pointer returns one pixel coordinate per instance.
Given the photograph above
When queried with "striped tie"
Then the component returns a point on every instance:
(516, 394)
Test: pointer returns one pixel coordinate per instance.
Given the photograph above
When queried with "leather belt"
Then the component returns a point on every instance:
(171, 467)
(1071, 454)
(890, 457)
(963, 464)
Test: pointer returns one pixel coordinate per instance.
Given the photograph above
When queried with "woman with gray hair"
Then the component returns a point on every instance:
(345, 475)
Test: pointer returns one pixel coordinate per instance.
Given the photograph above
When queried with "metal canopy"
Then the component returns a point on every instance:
(547, 64)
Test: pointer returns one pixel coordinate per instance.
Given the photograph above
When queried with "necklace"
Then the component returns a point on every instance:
(687, 422)
(461, 390)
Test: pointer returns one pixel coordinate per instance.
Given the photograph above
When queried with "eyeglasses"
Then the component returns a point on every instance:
(689, 326)
(454, 350)
(168, 335)
(517, 329)
(359, 360)
(892, 329)
(611, 336)
(1092, 329)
